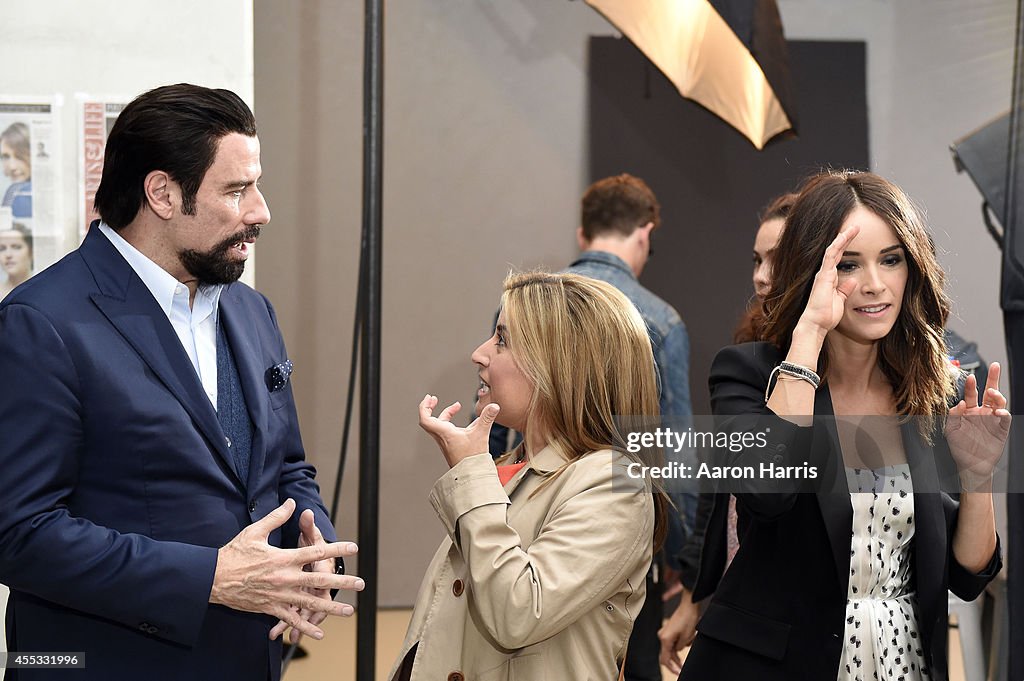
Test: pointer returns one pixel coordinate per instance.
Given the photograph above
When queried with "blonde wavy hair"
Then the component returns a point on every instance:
(586, 349)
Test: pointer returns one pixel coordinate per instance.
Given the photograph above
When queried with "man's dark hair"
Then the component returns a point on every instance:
(174, 128)
(618, 205)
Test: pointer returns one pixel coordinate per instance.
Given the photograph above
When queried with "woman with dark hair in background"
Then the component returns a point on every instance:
(543, 571)
(845, 574)
(772, 222)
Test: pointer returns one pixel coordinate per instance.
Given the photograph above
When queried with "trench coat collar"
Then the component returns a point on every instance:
(543, 463)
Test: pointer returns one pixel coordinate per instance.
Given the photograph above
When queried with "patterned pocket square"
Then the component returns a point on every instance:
(277, 376)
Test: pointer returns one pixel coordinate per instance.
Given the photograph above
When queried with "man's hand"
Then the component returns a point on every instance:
(310, 536)
(678, 632)
(253, 576)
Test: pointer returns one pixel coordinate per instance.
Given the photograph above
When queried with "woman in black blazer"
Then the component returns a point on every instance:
(827, 583)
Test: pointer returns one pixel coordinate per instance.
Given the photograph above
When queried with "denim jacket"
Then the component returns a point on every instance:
(666, 328)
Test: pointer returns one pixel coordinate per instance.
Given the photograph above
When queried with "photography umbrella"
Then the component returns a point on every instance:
(727, 55)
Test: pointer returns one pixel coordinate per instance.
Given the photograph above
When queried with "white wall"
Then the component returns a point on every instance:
(112, 47)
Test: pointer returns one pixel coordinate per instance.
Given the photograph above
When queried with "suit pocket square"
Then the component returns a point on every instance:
(277, 376)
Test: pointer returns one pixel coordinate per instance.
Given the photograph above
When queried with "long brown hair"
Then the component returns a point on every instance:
(749, 328)
(586, 349)
(913, 354)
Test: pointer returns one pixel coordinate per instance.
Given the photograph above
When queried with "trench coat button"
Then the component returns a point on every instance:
(252, 507)
(458, 586)
(456, 676)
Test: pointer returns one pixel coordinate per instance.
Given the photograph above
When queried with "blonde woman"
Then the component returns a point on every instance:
(542, 573)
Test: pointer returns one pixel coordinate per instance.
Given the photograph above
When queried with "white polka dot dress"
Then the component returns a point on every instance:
(881, 640)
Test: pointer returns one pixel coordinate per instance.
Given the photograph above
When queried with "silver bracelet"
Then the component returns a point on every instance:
(794, 370)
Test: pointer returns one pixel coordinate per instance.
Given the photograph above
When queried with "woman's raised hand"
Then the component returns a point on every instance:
(827, 301)
(977, 434)
(456, 443)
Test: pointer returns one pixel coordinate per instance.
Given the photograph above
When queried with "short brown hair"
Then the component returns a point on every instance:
(618, 205)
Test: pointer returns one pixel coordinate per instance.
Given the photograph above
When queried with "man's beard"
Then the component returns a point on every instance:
(215, 266)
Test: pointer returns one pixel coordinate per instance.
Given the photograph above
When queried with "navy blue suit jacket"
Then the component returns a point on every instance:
(119, 485)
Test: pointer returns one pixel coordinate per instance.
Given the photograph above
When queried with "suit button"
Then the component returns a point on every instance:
(778, 458)
(252, 507)
(456, 676)
(458, 587)
(152, 630)
(780, 448)
(144, 626)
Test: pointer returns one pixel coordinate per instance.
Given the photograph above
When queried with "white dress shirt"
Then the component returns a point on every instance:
(196, 326)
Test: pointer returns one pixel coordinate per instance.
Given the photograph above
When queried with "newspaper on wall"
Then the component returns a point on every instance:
(31, 230)
(97, 118)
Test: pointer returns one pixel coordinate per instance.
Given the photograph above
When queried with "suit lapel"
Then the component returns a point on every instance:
(243, 338)
(833, 492)
(130, 307)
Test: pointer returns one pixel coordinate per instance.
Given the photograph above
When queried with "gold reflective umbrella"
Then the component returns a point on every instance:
(696, 48)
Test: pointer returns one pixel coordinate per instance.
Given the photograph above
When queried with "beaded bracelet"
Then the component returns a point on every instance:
(794, 370)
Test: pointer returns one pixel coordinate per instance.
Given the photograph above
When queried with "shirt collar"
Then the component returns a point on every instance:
(604, 258)
(159, 281)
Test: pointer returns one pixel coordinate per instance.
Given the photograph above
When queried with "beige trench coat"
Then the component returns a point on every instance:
(533, 588)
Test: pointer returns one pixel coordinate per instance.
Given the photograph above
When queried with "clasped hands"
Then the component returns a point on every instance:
(293, 585)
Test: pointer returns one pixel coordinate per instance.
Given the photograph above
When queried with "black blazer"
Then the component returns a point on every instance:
(779, 612)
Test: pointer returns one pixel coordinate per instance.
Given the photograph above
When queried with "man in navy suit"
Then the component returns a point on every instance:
(159, 514)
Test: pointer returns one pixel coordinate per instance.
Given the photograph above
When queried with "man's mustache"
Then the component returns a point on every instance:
(250, 232)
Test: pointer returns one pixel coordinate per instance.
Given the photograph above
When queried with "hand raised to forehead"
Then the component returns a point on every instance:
(827, 302)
